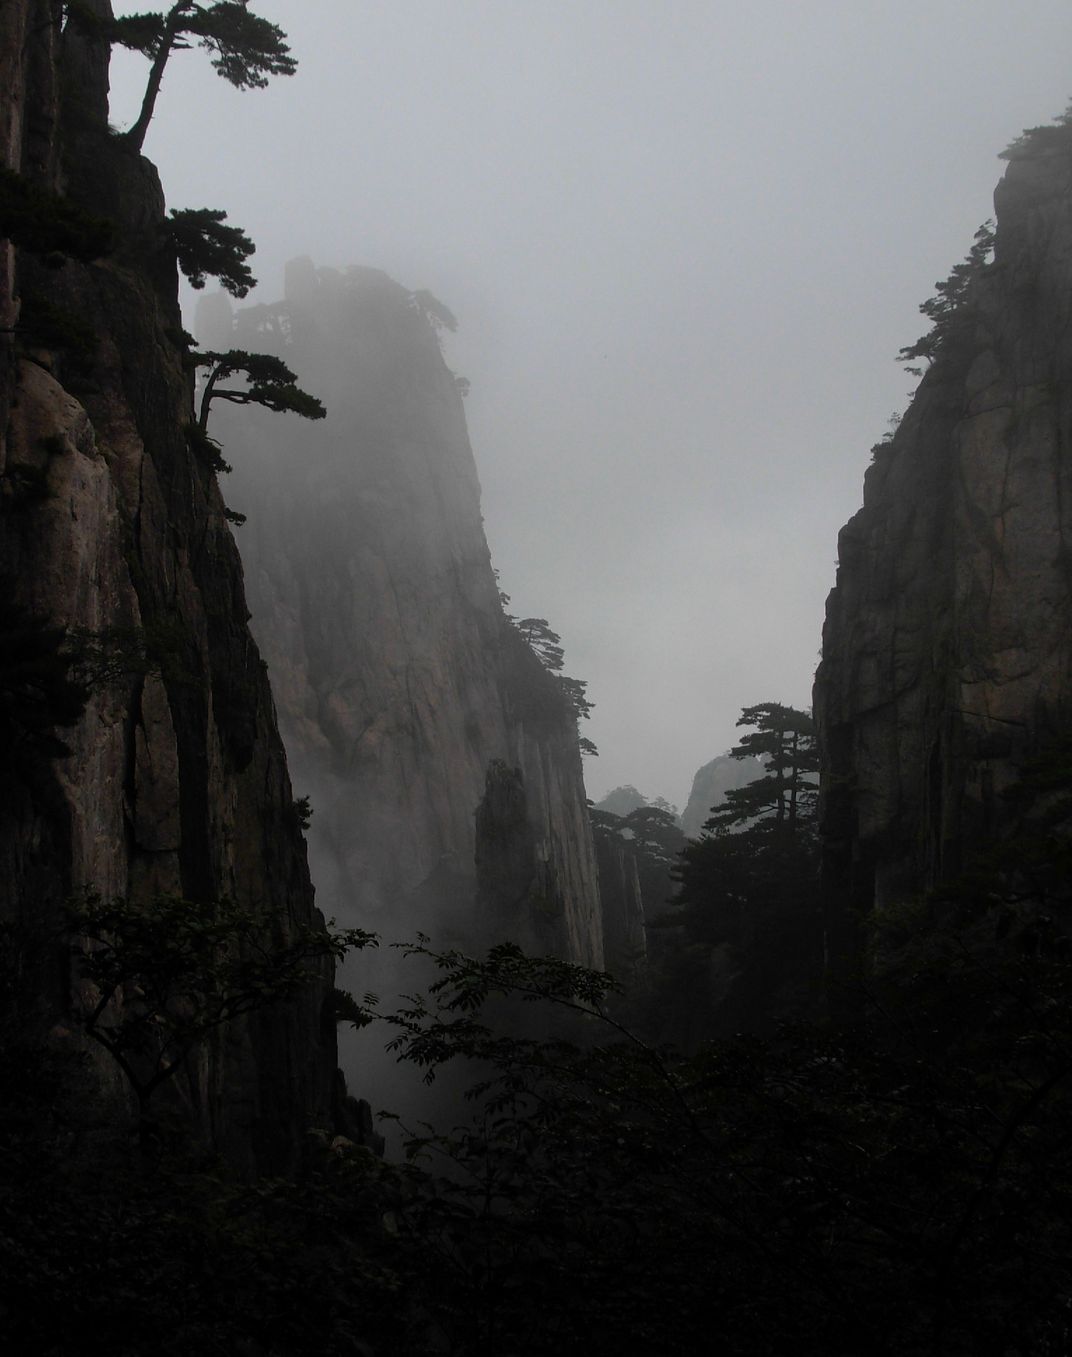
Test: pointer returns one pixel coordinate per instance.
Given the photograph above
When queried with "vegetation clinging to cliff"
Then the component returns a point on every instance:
(246, 49)
(746, 906)
(269, 383)
(1050, 137)
(949, 308)
(205, 247)
(546, 645)
(49, 224)
(902, 1187)
(167, 972)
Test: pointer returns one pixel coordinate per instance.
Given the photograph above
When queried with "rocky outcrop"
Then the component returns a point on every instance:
(175, 781)
(398, 679)
(625, 940)
(947, 650)
(710, 785)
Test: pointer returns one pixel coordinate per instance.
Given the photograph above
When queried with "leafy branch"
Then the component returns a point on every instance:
(166, 972)
(206, 248)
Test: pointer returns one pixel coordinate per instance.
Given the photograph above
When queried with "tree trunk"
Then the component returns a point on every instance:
(206, 398)
(136, 135)
(793, 778)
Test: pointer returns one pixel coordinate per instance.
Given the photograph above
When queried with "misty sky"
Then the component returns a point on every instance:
(684, 240)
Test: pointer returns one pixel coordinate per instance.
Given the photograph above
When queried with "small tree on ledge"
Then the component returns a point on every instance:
(270, 383)
(246, 48)
(206, 248)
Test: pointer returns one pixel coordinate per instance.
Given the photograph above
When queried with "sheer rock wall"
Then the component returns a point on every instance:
(398, 679)
(947, 650)
(176, 781)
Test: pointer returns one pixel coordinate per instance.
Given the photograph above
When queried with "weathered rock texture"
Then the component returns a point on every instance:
(947, 650)
(710, 785)
(176, 781)
(398, 680)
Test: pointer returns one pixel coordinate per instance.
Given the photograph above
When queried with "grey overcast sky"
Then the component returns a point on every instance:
(684, 240)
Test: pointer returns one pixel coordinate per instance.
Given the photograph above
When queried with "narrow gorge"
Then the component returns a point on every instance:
(293, 819)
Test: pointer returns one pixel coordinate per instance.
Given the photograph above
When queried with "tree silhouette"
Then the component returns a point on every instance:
(246, 48)
(205, 248)
(747, 903)
(166, 972)
(949, 308)
(787, 791)
(545, 643)
(270, 383)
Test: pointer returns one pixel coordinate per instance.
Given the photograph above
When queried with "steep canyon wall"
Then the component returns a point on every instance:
(947, 650)
(175, 781)
(440, 756)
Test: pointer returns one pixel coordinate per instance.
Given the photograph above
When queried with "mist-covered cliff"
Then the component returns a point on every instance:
(112, 531)
(440, 756)
(947, 650)
(710, 785)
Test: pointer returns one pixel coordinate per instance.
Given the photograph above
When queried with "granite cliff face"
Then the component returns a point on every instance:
(947, 650)
(175, 782)
(440, 756)
(625, 941)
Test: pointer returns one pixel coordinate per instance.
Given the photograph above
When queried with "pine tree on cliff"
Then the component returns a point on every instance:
(246, 48)
(269, 382)
(206, 248)
(787, 791)
(546, 646)
(748, 889)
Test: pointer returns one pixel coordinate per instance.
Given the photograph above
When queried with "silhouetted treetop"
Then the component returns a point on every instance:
(269, 383)
(246, 49)
(206, 248)
(787, 791)
(1032, 141)
(948, 308)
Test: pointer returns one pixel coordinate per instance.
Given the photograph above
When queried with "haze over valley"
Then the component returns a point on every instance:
(684, 244)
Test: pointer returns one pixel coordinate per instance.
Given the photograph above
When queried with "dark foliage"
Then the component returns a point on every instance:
(546, 645)
(742, 946)
(46, 325)
(1051, 138)
(653, 839)
(246, 49)
(788, 790)
(206, 449)
(902, 1188)
(39, 689)
(166, 972)
(949, 310)
(303, 809)
(269, 383)
(47, 224)
(206, 248)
